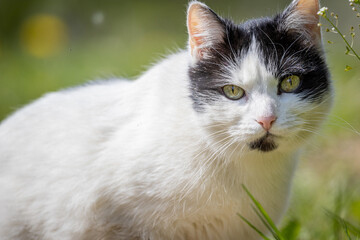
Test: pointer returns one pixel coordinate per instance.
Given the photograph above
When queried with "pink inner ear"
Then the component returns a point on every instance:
(205, 29)
(193, 26)
(310, 8)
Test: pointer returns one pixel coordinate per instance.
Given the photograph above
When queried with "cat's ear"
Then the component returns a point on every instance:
(301, 16)
(205, 28)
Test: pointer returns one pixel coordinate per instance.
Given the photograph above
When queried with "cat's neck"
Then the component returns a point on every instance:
(268, 176)
(255, 169)
(250, 163)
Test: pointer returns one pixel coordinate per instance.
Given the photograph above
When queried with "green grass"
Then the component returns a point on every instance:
(265, 219)
(292, 229)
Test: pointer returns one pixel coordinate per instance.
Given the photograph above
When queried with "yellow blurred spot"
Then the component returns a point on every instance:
(347, 68)
(43, 35)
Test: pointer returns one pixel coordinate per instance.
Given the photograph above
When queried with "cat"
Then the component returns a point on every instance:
(166, 156)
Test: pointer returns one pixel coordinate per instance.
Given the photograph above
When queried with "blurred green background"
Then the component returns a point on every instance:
(47, 45)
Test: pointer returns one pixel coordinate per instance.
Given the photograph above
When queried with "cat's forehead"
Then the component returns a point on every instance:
(252, 71)
(255, 42)
(267, 34)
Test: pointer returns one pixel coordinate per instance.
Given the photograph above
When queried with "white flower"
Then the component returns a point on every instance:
(322, 11)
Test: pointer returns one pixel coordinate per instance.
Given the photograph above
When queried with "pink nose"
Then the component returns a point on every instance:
(266, 122)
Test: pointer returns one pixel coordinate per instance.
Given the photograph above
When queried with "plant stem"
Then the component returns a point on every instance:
(338, 31)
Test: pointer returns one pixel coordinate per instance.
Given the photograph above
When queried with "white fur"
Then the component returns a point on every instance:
(133, 160)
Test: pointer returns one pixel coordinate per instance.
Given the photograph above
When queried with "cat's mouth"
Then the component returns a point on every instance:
(264, 144)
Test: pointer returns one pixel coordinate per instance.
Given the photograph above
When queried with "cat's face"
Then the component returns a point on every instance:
(262, 85)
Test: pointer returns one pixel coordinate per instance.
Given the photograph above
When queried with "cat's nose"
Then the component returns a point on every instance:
(266, 122)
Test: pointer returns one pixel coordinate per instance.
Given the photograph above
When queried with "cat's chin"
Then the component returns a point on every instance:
(264, 144)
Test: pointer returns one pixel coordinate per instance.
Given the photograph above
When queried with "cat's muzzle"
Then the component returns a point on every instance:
(264, 144)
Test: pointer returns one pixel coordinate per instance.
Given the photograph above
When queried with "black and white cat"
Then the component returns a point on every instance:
(165, 156)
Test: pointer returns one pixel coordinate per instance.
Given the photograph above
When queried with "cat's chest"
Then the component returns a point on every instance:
(216, 214)
(218, 218)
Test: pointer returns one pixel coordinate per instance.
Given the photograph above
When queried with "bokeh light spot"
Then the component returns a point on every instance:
(43, 35)
(97, 18)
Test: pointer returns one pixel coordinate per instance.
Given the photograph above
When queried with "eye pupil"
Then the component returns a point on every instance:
(290, 84)
(233, 92)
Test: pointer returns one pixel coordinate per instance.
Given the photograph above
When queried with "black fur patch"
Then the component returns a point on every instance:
(284, 53)
(207, 76)
(264, 144)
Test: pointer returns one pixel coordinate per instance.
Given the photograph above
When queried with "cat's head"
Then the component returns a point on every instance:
(262, 85)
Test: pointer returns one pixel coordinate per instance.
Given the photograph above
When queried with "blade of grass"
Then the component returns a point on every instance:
(265, 223)
(339, 202)
(292, 230)
(347, 227)
(264, 213)
(347, 232)
(253, 227)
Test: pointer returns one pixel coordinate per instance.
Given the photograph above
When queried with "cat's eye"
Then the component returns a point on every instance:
(233, 92)
(290, 84)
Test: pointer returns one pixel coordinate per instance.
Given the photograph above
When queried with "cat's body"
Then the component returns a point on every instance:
(156, 158)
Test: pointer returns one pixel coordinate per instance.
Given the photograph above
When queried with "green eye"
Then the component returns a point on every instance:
(233, 92)
(290, 84)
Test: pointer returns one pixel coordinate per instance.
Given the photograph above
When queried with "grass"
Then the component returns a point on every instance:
(341, 228)
(265, 219)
